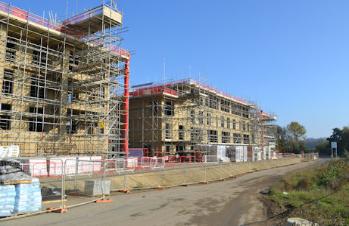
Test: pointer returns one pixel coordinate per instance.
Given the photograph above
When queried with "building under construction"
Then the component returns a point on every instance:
(177, 117)
(63, 86)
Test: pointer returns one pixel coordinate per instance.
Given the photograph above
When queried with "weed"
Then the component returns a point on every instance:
(320, 194)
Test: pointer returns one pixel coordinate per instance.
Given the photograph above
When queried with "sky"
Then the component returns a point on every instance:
(291, 57)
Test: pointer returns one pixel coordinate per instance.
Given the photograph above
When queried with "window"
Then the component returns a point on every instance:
(72, 127)
(169, 108)
(236, 109)
(237, 138)
(181, 132)
(180, 147)
(90, 127)
(213, 102)
(228, 123)
(6, 107)
(168, 131)
(36, 124)
(209, 120)
(212, 136)
(245, 112)
(39, 57)
(73, 94)
(201, 117)
(192, 116)
(195, 135)
(5, 122)
(201, 101)
(225, 106)
(222, 121)
(37, 88)
(246, 139)
(154, 107)
(5, 119)
(234, 124)
(73, 61)
(7, 85)
(10, 50)
(225, 137)
(243, 126)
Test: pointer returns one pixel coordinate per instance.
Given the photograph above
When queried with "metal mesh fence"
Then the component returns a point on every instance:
(70, 181)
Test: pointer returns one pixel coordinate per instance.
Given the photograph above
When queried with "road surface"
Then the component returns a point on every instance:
(232, 202)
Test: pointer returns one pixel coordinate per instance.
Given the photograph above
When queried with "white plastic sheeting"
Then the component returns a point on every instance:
(75, 165)
(257, 154)
(241, 154)
(214, 153)
(11, 151)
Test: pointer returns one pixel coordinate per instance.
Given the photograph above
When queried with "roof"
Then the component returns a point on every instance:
(143, 90)
(267, 116)
(90, 20)
(57, 28)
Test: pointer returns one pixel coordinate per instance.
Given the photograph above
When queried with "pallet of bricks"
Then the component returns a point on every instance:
(19, 192)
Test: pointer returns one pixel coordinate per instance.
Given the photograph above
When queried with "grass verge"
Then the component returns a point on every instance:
(319, 194)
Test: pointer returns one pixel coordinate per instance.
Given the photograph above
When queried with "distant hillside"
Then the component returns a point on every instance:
(311, 143)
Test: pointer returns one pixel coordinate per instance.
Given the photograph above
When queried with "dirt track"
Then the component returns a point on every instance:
(233, 202)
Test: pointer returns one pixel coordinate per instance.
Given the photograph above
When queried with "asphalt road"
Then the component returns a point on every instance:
(232, 202)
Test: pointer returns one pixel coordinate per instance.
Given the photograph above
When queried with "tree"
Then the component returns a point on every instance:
(281, 139)
(291, 138)
(345, 140)
(341, 136)
(336, 136)
(296, 133)
(296, 130)
(323, 148)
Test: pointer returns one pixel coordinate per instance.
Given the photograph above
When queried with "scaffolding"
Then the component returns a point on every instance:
(64, 86)
(175, 117)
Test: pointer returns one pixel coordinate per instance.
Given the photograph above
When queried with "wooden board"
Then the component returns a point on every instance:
(14, 182)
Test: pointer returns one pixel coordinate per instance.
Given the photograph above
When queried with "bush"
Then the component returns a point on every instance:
(333, 175)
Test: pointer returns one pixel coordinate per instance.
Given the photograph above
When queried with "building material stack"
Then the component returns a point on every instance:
(28, 197)
(19, 193)
(7, 200)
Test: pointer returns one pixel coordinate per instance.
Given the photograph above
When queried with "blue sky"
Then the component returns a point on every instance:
(291, 56)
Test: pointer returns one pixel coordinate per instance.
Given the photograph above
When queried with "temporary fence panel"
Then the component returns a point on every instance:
(89, 164)
(135, 152)
(97, 163)
(36, 167)
(158, 163)
(221, 153)
(84, 165)
(55, 166)
(132, 162)
(211, 158)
